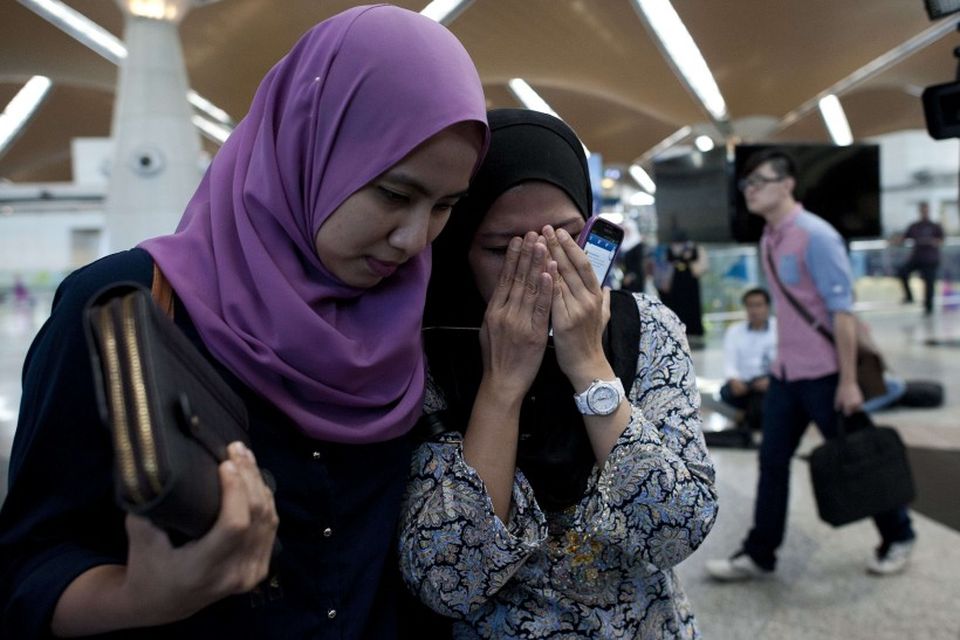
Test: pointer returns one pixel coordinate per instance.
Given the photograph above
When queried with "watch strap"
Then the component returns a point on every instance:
(582, 399)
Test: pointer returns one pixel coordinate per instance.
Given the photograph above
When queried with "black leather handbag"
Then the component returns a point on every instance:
(861, 472)
(170, 414)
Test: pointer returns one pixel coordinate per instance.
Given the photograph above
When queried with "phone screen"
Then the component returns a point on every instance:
(601, 245)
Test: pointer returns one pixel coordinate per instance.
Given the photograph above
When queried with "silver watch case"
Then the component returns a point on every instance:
(601, 398)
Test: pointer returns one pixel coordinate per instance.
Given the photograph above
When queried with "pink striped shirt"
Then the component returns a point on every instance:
(812, 263)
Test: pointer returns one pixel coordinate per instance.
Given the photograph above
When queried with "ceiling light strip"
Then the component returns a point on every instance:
(640, 199)
(211, 130)
(21, 108)
(836, 120)
(202, 104)
(163, 10)
(674, 138)
(529, 98)
(80, 27)
(643, 178)
(445, 11)
(95, 37)
(876, 66)
(684, 56)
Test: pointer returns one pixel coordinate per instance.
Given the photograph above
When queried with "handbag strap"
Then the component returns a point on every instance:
(793, 301)
(161, 291)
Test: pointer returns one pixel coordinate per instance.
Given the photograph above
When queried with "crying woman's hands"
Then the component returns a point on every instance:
(514, 332)
(544, 277)
(580, 310)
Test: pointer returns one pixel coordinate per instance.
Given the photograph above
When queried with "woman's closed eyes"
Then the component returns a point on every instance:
(392, 196)
(399, 198)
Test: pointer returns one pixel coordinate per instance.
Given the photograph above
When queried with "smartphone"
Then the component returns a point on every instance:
(601, 240)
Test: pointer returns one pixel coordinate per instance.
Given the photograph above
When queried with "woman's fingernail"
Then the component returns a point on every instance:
(230, 467)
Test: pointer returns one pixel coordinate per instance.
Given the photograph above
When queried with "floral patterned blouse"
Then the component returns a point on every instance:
(601, 569)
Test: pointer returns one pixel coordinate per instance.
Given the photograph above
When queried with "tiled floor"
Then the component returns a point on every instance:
(820, 589)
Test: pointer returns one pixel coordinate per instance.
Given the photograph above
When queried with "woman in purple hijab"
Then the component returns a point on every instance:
(300, 270)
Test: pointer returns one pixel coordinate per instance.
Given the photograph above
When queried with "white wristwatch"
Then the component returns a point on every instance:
(601, 398)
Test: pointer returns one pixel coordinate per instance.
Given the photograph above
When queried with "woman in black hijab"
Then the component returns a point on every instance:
(531, 511)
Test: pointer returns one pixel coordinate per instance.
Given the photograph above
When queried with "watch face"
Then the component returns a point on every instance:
(604, 399)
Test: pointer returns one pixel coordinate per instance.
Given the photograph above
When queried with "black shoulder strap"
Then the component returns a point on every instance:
(793, 301)
(622, 336)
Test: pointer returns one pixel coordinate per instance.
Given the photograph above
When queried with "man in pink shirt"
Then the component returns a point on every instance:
(811, 379)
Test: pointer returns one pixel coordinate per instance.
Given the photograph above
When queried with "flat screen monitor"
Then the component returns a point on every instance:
(839, 184)
(697, 192)
(693, 196)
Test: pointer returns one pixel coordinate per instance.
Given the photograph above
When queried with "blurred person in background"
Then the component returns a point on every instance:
(685, 262)
(634, 264)
(927, 237)
(749, 349)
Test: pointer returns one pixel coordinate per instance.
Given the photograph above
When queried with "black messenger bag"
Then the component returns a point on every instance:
(861, 472)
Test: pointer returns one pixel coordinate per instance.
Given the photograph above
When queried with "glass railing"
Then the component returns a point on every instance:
(733, 270)
(736, 268)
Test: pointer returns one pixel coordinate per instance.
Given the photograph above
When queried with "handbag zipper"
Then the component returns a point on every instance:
(141, 407)
(121, 438)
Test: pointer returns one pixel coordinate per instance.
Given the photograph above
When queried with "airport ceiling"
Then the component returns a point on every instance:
(594, 61)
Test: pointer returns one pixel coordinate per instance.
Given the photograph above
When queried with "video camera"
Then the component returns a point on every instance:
(941, 102)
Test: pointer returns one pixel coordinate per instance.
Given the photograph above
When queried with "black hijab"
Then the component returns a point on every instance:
(554, 452)
(524, 146)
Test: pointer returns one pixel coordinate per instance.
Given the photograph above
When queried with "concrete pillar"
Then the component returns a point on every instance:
(156, 160)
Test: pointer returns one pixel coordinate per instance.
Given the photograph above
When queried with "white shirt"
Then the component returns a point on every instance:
(748, 354)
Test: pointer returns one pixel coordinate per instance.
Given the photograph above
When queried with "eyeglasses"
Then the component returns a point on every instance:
(757, 181)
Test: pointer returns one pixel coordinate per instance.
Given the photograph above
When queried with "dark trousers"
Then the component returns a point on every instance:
(929, 274)
(751, 403)
(788, 409)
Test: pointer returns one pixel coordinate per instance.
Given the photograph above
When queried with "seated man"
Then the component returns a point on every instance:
(748, 349)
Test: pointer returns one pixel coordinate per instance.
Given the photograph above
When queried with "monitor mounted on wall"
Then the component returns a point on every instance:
(697, 192)
(693, 196)
(839, 184)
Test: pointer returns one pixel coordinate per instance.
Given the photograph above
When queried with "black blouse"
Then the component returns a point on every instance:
(335, 575)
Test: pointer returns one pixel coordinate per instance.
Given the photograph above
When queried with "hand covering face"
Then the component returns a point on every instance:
(525, 146)
(553, 452)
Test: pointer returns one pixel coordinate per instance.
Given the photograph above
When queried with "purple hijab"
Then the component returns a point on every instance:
(355, 95)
